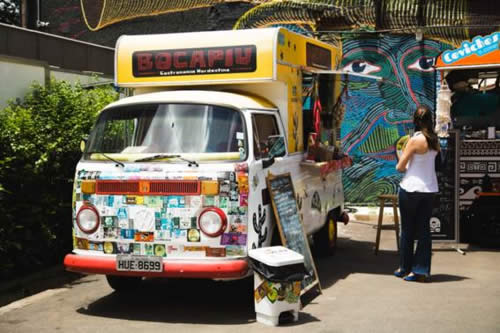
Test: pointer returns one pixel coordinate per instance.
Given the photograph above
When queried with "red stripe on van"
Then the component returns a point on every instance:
(155, 187)
(117, 187)
(175, 187)
(207, 269)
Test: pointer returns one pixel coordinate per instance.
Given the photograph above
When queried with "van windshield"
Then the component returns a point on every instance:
(146, 129)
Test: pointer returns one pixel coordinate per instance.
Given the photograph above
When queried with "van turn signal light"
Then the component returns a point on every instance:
(88, 186)
(210, 187)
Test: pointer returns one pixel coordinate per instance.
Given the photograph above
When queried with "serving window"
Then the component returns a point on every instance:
(264, 126)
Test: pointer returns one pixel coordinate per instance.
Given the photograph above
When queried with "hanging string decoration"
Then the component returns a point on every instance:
(98, 14)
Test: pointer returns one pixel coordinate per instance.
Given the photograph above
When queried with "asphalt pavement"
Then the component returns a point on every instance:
(359, 294)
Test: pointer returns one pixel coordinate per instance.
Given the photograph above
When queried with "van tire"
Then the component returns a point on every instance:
(124, 284)
(325, 240)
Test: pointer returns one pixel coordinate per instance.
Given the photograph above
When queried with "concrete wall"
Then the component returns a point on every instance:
(75, 77)
(28, 56)
(19, 74)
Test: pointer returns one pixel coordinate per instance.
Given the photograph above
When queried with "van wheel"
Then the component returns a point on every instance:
(325, 240)
(124, 283)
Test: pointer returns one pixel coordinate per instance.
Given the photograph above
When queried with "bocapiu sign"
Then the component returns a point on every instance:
(199, 61)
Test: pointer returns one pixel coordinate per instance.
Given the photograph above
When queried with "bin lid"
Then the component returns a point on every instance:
(276, 256)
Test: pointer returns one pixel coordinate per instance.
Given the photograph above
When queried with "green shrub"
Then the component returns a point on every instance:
(39, 148)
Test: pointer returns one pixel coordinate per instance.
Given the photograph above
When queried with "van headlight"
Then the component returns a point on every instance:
(212, 221)
(87, 219)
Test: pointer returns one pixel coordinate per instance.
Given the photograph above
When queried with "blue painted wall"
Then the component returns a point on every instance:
(379, 113)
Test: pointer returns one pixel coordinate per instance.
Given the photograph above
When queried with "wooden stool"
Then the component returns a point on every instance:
(383, 198)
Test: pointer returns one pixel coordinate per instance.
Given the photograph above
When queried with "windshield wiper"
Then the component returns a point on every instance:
(160, 156)
(118, 163)
(156, 157)
(190, 162)
(112, 159)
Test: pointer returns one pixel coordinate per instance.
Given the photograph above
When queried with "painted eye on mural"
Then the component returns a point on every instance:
(423, 64)
(361, 67)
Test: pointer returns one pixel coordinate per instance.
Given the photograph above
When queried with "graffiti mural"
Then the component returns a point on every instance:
(445, 20)
(379, 113)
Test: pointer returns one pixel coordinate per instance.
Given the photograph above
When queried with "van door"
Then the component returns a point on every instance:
(263, 125)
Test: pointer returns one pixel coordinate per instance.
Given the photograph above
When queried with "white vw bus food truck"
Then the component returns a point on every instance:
(172, 181)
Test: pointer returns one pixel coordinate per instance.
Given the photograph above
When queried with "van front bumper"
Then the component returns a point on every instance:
(209, 269)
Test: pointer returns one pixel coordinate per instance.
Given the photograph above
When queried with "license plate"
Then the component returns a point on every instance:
(130, 263)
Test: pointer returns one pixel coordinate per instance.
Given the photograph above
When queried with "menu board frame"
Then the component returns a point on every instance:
(309, 283)
(441, 200)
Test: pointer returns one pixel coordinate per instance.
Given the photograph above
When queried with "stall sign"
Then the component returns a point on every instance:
(480, 51)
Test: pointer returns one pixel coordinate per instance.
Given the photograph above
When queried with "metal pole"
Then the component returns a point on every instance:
(24, 14)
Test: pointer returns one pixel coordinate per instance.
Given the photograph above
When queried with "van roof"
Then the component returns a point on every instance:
(229, 99)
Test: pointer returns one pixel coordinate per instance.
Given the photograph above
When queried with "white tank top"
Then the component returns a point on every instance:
(420, 175)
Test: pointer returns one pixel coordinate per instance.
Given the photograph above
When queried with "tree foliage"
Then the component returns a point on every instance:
(9, 12)
(39, 148)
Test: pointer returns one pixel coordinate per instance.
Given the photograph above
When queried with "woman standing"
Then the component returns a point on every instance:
(416, 194)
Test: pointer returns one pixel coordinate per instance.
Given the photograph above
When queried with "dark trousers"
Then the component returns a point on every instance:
(416, 211)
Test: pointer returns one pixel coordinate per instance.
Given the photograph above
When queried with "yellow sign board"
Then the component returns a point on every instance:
(216, 57)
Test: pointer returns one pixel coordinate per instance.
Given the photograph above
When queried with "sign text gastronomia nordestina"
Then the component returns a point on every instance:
(197, 61)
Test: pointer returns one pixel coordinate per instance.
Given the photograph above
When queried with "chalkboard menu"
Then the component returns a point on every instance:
(290, 226)
(444, 219)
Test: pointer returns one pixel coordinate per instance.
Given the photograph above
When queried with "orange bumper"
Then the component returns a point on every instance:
(217, 269)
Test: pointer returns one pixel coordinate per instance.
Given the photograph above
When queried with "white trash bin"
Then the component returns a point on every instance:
(278, 272)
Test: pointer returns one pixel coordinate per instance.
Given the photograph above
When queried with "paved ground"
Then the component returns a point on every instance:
(359, 295)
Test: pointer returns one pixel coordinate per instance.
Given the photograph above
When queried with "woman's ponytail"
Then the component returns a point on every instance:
(422, 119)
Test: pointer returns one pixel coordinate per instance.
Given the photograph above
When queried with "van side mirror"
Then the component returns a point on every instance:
(276, 144)
(266, 163)
(83, 143)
